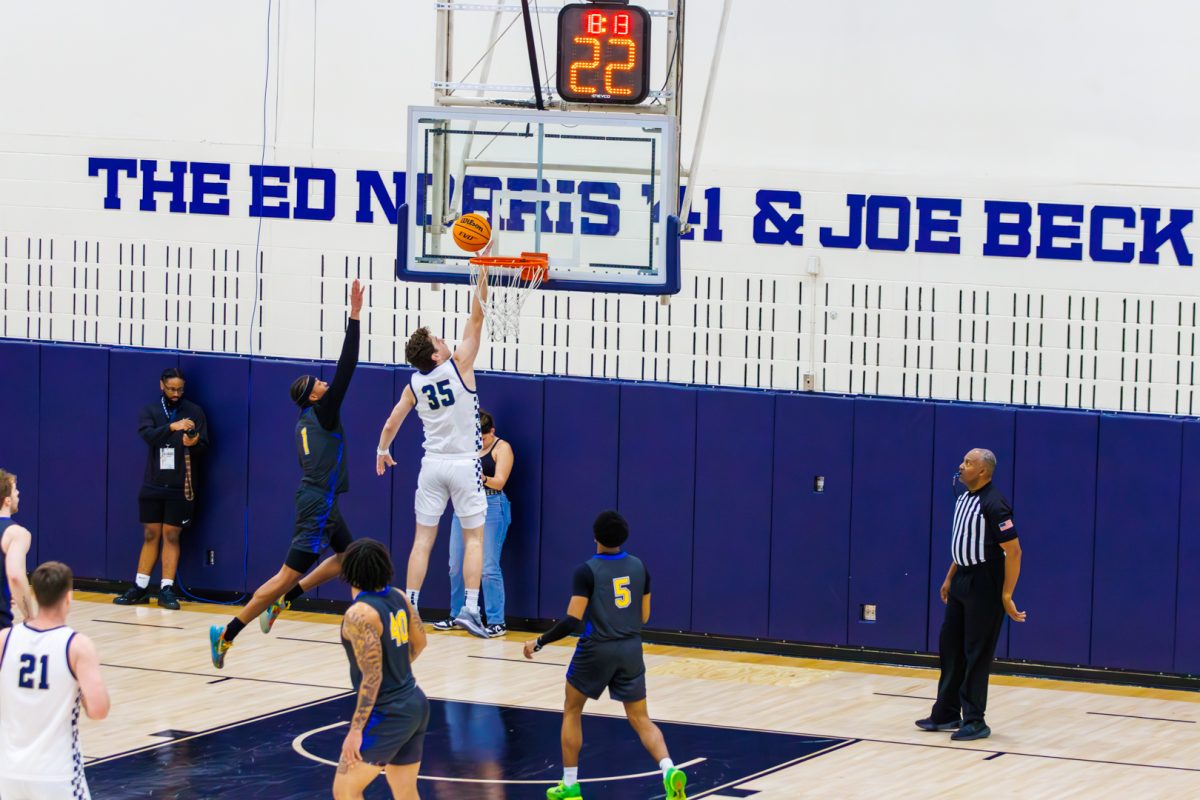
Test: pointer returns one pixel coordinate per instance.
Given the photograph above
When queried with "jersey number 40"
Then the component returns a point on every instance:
(399, 627)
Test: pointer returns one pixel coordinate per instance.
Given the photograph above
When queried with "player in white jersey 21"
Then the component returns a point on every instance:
(443, 393)
(46, 671)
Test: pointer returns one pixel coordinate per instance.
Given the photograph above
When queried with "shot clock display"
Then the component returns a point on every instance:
(603, 53)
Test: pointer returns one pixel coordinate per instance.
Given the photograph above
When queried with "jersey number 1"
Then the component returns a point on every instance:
(621, 591)
(28, 665)
(399, 627)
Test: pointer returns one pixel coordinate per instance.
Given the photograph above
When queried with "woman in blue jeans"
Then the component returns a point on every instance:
(496, 459)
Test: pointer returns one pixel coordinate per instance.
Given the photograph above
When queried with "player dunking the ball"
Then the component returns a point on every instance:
(321, 447)
(443, 393)
(610, 602)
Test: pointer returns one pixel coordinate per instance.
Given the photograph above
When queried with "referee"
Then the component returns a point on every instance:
(978, 592)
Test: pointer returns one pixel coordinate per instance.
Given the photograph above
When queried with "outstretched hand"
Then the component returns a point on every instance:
(356, 298)
(383, 462)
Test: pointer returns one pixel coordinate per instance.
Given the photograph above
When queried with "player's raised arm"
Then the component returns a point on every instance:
(85, 663)
(468, 348)
(17, 541)
(330, 406)
(362, 628)
(383, 456)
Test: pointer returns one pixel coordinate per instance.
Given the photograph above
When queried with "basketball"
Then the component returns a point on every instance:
(471, 232)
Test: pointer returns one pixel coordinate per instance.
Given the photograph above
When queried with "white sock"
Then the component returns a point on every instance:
(413, 596)
(666, 764)
(168, 582)
(142, 581)
(570, 776)
(473, 601)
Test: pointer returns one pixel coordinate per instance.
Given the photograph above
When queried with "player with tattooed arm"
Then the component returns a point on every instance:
(382, 635)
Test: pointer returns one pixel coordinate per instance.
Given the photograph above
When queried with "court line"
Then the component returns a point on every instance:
(157, 745)
(993, 756)
(314, 641)
(139, 624)
(298, 746)
(777, 768)
(233, 677)
(520, 661)
(912, 696)
(1135, 716)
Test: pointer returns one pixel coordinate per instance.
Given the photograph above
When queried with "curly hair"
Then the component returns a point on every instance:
(419, 350)
(367, 565)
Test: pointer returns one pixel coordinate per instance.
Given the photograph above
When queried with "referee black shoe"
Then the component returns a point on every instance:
(970, 731)
(133, 596)
(928, 724)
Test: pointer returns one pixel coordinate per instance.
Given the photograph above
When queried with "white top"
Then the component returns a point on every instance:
(39, 706)
(449, 412)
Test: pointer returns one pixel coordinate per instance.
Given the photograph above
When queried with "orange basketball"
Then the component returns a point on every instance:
(471, 232)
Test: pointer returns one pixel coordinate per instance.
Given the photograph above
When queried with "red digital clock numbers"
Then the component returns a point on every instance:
(603, 53)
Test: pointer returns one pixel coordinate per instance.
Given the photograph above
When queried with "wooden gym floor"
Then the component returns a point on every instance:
(180, 728)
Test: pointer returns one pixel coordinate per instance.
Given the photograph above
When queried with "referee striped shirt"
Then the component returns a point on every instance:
(982, 521)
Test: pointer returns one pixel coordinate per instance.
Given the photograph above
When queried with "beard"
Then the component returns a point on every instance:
(172, 403)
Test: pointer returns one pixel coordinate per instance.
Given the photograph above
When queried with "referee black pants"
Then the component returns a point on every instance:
(967, 645)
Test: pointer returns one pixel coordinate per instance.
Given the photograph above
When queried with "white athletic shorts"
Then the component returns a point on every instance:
(457, 480)
(16, 789)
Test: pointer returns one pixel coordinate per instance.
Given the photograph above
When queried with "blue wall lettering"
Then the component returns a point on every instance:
(1096, 249)
(875, 205)
(112, 167)
(518, 209)
(928, 224)
(852, 238)
(173, 186)
(1154, 237)
(202, 188)
(370, 184)
(305, 177)
(772, 227)
(1051, 229)
(1000, 229)
(260, 190)
(610, 211)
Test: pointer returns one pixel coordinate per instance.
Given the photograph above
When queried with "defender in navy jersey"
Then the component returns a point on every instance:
(14, 545)
(978, 591)
(382, 635)
(321, 450)
(443, 392)
(610, 601)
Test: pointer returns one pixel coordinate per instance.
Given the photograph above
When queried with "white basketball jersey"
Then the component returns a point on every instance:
(449, 411)
(39, 707)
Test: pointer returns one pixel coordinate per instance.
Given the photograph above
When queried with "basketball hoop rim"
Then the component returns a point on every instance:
(533, 266)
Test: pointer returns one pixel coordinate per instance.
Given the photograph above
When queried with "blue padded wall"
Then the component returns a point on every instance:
(367, 507)
(515, 403)
(220, 385)
(810, 551)
(19, 451)
(1137, 535)
(1187, 614)
(73, 458)
(1054, 507)
(890, 522)
(731, 562)
(957, 429)
(579, 480)
(274, 470)
(656, 491)
(133, 378)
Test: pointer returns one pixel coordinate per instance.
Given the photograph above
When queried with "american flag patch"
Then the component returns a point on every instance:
(1006, 525)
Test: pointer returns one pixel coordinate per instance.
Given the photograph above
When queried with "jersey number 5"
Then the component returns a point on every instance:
(399, 626)
(28, 665)
(621, 591)
(441, 396)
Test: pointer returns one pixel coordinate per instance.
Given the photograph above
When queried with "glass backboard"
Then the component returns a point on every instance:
(586, 188)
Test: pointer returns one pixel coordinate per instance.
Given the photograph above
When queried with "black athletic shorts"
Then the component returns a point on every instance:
(164, 505)
(319, 524)
(616, 665)
(395, 734)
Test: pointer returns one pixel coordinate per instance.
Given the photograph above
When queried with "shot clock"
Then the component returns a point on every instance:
(603, 53)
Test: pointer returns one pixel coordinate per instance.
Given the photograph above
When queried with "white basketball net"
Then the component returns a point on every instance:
(507, 293)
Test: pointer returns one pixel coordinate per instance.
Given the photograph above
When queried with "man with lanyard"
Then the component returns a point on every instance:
(321, 446)
(176, 432)
(14, 542)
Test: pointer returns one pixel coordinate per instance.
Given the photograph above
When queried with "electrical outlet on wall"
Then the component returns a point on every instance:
(212, 557)
(868, 612)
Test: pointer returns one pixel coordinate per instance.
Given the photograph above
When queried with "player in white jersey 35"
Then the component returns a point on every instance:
(443, 392)
(46, 671)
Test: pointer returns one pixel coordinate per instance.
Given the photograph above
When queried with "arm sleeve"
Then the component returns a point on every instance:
(583, 582)
(329, 407)
(1000, 515)
(152, 434)
(563, 628)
